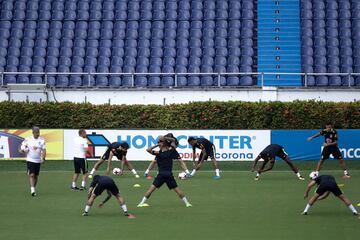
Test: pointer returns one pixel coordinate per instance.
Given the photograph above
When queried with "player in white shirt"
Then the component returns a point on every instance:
(35, 150)
(80, 163)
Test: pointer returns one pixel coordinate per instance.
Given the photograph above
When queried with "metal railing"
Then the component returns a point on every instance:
(262, 76)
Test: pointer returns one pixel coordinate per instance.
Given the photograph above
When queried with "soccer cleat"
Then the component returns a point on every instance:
(189, 205)
(33, 194)
(143, 205)
(137, 176)
(347, 176)
(146, 175)
(85, 214)
(356, 214)
(304, 213)
(216, 177)
(129, 215)
(301, 178)
(74, 188)
(256, 178)
(90, 176)
(82, 188)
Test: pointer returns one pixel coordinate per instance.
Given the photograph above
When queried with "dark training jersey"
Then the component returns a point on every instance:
(101, 183)
(272, 151)
(329, 134)
(114, 147)
(165, 160)
(325, 179)
(203, 143)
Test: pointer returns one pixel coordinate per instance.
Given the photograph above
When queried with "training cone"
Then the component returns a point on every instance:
(358, 204)
(137, 185)
(341, 185)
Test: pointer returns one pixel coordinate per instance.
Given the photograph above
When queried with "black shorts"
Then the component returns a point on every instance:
(333, 150)
(332, 187)
(165, 178)
(33, 168)
(107, 154)
(80, 164)
(111, 187)
(210, 153)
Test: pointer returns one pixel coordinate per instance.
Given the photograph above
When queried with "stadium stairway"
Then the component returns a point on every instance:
(279, 42)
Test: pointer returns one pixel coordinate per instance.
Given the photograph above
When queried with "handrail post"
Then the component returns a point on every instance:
(2, 79)
(305, 79)
(46, 79)
(176, 79)
(89, 79)
(132, 80)
(262, 79)
(219, 79)
(349, 80)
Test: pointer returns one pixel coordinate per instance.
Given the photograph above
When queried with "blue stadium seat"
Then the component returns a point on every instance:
(36, 79)
(115, 81)
(11, 51)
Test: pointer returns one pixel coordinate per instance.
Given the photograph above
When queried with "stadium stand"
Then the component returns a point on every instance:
(127, 36)
(92, 38)
(330, 41)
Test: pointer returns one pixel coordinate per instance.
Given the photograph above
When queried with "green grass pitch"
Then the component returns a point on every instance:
(235, 207)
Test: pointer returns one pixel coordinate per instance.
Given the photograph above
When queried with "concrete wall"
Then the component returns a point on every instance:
(169, 96)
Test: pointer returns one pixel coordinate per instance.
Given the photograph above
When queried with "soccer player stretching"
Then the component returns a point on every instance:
(326, 184)
(100, 184)
(207, 150)
(330, 147)
(115, 149)
(153, 162)
(164, 159)
(269, 154)
(35, 150)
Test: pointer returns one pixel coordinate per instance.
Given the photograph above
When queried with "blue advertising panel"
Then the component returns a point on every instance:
(295, 144)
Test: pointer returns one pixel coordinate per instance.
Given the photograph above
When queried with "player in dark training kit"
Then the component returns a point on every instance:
(100, 184)
(119, 150)
(326, 184)
(330, 148)
(268, 155)
(207, 150)
(153, 162)
(164, 159)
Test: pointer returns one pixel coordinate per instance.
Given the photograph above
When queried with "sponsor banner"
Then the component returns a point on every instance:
(11, 139)
(231, 145)
(295, 144)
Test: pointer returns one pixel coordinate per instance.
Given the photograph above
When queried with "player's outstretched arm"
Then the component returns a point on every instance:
(123, 161)
(105, 200)
(308, 188)
(109, 167)
(194, 157)
(314, 136)
(255, 162)
(43, 155)
(183, 165)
